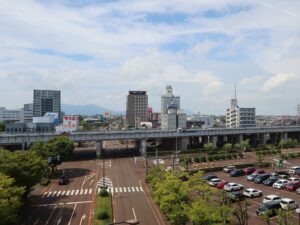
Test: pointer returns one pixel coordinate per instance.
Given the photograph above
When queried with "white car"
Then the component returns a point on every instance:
(293, 179)
(293, 169)
(288, 204)
(214, 181)
(280, 184)
(251, 193)
(233, 187)
(272, 198)
(228, 169)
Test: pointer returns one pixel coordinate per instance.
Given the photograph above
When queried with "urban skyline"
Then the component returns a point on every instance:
(201, 48)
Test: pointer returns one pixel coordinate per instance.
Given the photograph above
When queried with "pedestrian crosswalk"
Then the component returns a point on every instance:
(104, 182)
(87, 191)
(113, 190)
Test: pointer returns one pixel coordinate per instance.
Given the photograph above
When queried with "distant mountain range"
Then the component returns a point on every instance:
(89, 109)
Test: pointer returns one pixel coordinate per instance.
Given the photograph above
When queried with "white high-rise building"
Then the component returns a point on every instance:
(239, 117)
(171, 115)
(10, 115)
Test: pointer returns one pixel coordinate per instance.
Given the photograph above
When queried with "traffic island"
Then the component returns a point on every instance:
(103, 211)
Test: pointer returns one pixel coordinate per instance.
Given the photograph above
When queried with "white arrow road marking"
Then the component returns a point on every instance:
(82, 218)
(134, 213)
(59, 221)
(91, 182)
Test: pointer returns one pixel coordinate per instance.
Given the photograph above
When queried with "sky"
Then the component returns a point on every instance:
(95, 51)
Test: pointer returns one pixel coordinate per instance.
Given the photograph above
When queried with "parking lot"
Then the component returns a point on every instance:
(266, 190)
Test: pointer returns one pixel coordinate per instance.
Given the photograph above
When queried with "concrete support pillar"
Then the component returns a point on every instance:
(214, 140)
(285, 136)
(273, 138)
(99, 149)
(182, 143)
(241, 138)
(262, 139)
(253, 140)
(225, 139)
(143, 146)
(204, 139)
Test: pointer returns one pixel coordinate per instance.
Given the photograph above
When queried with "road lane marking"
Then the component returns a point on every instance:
(81, 191)
(59, 221)
(50, 193)
(137, 189)
(72, 192)
(91, 190)
(51, 214)
(63, 193)
(54, 193)
(142, 190)
(120, 189)
(72, 214)
(76, 192)
(67, 193)
(44, 195)
(124, 188)
(91, 182)
(58, 193)
(132, 188)
(134, 213)
(128, 188)
(116, 190)
(82, 218)
(85, 191)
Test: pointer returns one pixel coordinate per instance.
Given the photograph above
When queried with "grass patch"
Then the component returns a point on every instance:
(103, 211)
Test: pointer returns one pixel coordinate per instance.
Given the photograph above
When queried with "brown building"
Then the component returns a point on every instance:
(136, 108)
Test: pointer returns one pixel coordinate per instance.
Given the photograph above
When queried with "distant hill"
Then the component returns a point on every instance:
(85, 109)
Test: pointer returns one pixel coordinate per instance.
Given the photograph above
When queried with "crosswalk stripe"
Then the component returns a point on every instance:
(72, 192)
(58, 193)
(142, 190)
(63, 193)
(116, 190)
(91, 190)
(67, 193)
(76, 193)
(54, 193)
(120, 189)
(44, 195)
(81, 191)
(128, 188)
(50, 193)
(99, 190)
(132, 188)
(85, 191)
(137, 189)
(124, 188)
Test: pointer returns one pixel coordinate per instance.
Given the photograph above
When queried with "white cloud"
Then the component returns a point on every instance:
(279, 80)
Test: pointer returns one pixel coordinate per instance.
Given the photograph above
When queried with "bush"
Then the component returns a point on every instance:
(203, 159)
(234, 155)
(228, 156)
(264, 153)
(241, 155)
(216, 157)
(273, 152)
(210, 158)
(292, 155)
(298, 154)
(196, 159)
(258, 153)
(222, 156)
(44, 181)
(102, 215)
(103, 192)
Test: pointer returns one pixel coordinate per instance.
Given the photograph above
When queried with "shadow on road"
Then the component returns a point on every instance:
(120, 153)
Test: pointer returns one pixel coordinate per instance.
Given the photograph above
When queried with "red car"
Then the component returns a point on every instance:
(249, 170)
(259, 172)
(292, 186)
(221, 184)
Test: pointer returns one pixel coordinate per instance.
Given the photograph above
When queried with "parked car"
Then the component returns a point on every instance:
(272, 198)
(293, 179)
(268, 207)
(297, 172)
(292, 186)
(237, 173)
(221, 184)
(298, 191)
(249, 170)
(251, 177)
(288, 204)
(270, 181)
(293, 169)
(235, 196)
(233, 187)
(228, 169)
(208, 177)
(282, 175)
(261, 178)
(251, 192)
(213, 182)
(259, 172)
(280, 184)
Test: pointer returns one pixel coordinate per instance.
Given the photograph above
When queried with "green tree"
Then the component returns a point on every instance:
(240, 211)
(227, 147)
(245, 144)
(10, 200)
(27, 168)
(2, 127)
(283, 216)
(237, 146)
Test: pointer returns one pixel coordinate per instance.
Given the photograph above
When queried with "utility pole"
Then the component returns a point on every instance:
(173, 165)
(103, 171)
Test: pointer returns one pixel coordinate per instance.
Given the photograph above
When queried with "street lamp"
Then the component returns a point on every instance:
(130, 222)
(298, 211)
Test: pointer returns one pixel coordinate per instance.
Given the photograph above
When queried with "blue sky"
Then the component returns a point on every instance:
(97, 50)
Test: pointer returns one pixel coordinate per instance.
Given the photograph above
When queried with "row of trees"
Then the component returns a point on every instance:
(243, 145)
(20, 171)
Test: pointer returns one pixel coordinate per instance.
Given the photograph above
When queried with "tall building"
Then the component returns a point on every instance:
(136, 108)
(239, 117)
(27, 113)
(46, 101)
(171, 115)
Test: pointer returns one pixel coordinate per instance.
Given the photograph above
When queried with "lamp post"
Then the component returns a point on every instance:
(298, 211)
(130, 222)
